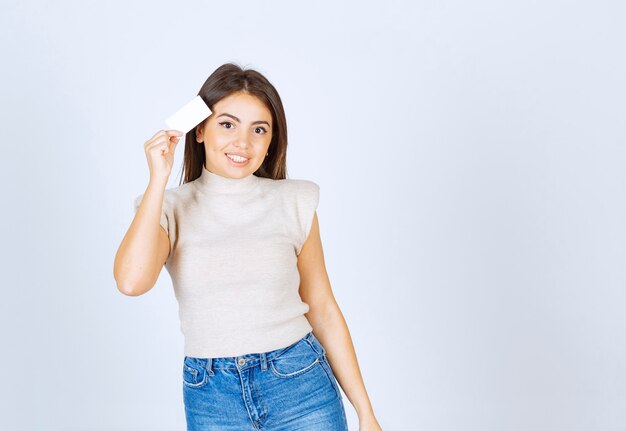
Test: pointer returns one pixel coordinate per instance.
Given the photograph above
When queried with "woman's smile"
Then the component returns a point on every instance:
(237, 160)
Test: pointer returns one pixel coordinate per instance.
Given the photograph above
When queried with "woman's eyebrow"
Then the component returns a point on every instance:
(239, 121)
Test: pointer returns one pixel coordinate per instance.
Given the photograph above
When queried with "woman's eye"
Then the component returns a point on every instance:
(224, 123)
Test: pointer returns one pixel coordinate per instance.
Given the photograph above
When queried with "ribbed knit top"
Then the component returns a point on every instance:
(233, 261)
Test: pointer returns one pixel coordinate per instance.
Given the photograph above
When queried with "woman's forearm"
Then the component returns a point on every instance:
(331, 330)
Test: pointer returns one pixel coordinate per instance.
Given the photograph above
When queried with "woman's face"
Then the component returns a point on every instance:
(240, 124)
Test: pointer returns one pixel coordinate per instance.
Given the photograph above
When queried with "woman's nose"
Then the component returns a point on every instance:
(242, 140)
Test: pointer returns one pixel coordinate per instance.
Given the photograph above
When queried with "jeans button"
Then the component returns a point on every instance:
(241, 361)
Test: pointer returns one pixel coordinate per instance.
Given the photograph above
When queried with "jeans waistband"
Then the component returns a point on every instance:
(249, 360)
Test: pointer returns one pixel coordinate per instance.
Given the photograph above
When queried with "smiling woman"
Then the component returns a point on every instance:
(247, 330)
(235, 149)
(247, 120)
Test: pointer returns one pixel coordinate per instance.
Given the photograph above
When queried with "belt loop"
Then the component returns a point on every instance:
(263, 362)
(209, 366)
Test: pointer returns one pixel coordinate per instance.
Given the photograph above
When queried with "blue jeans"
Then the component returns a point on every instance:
(286, 389)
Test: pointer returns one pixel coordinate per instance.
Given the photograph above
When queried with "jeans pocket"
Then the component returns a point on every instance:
(194, 372)
(296, 360)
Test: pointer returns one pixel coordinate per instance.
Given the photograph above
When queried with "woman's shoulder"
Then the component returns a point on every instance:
(291, 185)
(171, 195)
(180, 192)
(297, 193)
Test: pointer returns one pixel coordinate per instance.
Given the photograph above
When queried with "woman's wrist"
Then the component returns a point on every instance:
(364, 412)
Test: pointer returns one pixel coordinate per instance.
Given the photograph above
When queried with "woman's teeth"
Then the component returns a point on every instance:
(236, 158)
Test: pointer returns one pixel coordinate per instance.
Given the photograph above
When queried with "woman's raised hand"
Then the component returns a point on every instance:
(160, 152)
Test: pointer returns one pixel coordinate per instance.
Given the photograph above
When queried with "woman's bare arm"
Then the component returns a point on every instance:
(145, 247)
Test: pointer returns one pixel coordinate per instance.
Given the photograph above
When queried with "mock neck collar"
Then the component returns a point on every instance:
(211, 182)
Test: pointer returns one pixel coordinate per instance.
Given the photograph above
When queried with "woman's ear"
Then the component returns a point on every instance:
(198, 132)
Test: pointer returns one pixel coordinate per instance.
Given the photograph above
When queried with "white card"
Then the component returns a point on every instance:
(189, 116)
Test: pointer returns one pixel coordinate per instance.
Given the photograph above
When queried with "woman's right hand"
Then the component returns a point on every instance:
(160, 152)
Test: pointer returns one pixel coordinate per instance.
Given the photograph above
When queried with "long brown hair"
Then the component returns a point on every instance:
(227, 79)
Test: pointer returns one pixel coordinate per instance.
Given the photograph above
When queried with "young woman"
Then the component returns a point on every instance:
(264, 336)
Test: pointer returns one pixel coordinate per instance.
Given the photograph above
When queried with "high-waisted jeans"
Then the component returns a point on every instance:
(283, 390)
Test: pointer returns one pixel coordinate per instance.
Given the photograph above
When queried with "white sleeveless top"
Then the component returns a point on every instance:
(233, 261)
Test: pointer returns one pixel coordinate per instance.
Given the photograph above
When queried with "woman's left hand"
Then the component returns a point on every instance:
(369, 424)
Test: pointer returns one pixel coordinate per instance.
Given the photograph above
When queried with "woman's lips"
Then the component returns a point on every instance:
(234, 163)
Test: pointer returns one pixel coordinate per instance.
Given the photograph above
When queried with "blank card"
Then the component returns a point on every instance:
(189, 116)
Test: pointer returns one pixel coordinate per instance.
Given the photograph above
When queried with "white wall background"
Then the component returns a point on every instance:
(471, 162)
